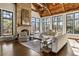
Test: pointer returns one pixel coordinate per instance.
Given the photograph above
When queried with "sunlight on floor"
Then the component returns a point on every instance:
(75, 46)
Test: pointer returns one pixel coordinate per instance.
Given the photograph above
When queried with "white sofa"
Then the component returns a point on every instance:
(58, 43)
(36, 35)
(58, 40)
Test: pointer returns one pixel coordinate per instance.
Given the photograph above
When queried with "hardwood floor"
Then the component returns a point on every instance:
(16, 49)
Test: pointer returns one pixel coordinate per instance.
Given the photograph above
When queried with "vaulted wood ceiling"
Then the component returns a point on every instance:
(47, 9)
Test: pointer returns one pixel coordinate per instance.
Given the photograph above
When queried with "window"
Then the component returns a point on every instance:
(60, 23)
(45, 24)
(57, 23)
(48, 24)
(76, 26)
(6, 14)
(72, 23)
(0, 22)
(35, 25)
(54, 22)
(6, 23)
(69, 23)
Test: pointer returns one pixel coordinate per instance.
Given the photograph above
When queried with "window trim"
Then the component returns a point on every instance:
(36, 22)
(73, 23)
(53, 17)
(7, 18)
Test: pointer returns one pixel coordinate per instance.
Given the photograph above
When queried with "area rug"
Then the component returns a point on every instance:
(34, 45)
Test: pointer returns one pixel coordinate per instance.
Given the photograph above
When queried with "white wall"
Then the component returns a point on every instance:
(9, 7)
(35, 14)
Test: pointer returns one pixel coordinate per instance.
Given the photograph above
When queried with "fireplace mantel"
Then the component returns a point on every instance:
(20, 28)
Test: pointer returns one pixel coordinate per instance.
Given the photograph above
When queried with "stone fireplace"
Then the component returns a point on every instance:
(24, 28)
(23, 19)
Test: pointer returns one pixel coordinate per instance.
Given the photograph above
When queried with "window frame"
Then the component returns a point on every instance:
(72, 22)
(6, 18)
(58, 21)
(35, 23)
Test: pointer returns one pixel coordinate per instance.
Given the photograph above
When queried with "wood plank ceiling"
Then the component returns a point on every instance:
(47, 9)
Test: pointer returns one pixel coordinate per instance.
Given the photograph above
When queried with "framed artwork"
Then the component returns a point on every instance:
(25, 17)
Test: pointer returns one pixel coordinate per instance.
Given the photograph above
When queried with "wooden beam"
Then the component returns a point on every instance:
(34, 4)
(34, 10)
(48, 9)
(63, 7)
(45, 7)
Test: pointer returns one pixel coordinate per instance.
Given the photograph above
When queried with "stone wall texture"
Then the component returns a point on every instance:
(19, 7)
